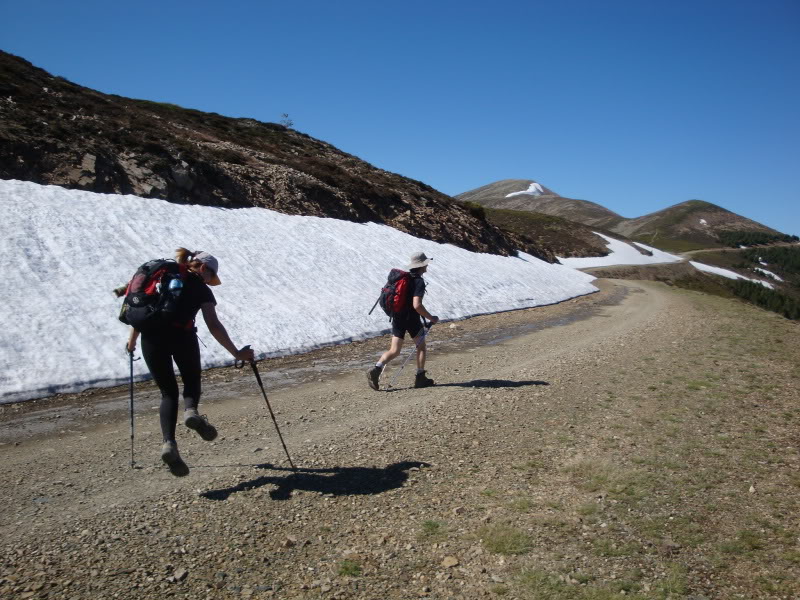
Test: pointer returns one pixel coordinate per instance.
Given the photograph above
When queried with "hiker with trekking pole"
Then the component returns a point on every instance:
(401, 299)
(161, 303)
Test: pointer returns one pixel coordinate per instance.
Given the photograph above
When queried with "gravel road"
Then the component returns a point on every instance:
(399, 494)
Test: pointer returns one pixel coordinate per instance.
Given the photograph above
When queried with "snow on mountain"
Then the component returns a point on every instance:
(534, 189)
(290, 283)
(620, 253)
(768, 273)
(726, 273)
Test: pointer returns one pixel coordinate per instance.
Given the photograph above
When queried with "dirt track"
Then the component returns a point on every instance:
(486, 484)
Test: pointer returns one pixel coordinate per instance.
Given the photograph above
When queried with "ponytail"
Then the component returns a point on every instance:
(183, 256)
(187, 257)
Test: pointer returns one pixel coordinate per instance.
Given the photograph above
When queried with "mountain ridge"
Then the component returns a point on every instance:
(53, 131)
(683, 226)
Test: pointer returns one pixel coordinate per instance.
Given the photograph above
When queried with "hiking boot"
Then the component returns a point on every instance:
(373, 375)
(422, 382)
(200, 424)
(170, 456)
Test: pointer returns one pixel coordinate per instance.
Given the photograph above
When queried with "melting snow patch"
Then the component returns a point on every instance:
(620, 253)
(768, 273)
(703, 222)
(726, 273)
(534, 189)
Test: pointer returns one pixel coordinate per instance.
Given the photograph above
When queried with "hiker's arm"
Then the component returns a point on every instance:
(220, 334)
(132, 340)
(420, 308)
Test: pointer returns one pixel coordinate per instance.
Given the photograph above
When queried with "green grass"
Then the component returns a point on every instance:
(597, 475)
(522, 505)
(431, 529)
(746, 541)
(541, 585)
(349, 568)
(505, 539)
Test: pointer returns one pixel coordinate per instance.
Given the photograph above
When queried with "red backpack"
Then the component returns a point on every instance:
(395, 295)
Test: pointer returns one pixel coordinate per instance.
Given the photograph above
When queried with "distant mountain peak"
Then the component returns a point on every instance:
(530, 195)
(693, 223)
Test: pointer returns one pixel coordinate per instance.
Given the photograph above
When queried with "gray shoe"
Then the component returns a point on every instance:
(200, 424)
(373, 375)
(170, 456)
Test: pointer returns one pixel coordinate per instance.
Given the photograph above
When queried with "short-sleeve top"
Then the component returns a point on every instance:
(195, 293)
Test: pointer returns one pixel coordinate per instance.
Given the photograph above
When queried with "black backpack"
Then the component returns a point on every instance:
(153, 294)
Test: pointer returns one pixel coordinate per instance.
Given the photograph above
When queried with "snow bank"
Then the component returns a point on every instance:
(620, 253)
(290, 283)
(726, 273)
(767, 273)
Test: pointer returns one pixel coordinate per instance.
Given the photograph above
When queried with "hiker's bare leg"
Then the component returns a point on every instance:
(393, 351)
(420, 342)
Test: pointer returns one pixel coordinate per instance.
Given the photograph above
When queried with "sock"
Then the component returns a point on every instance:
(420, 371)
(379, 364)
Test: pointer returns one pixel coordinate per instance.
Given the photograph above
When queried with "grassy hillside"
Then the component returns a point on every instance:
(549, 234)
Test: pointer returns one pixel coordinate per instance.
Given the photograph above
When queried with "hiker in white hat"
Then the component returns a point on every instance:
(176, 339)
(408, 319)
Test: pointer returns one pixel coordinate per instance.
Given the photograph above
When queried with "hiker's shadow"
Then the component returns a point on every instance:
(338, 481)
(492, 383)
(480, 383)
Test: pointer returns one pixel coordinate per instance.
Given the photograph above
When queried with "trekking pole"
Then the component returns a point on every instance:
(417, 345)
(271, 414)
(374, 305)
(130, 387)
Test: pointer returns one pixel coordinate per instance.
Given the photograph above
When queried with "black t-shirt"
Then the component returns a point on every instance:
(194, 294)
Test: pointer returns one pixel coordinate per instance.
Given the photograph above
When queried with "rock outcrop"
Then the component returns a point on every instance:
(55, 132)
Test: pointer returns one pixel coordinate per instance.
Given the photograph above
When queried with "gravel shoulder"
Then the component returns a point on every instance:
(641, 440)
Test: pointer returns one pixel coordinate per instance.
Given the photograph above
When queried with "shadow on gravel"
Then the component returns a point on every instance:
(337, 481)
(477, 383)
(492, 383)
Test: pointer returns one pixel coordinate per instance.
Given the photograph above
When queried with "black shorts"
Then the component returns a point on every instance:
(411, 323)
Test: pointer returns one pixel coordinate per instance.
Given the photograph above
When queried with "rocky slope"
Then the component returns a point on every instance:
(55, 132)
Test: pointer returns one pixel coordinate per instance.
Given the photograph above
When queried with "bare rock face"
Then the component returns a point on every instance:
(55, 132)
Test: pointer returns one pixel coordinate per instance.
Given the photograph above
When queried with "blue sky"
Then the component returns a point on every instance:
(636, 105)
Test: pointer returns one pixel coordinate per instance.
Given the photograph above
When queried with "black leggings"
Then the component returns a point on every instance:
(159, 349)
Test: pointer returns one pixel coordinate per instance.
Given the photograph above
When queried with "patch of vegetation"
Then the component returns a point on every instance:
(431, 529)
(766, 298)
(670, 245)
(734, 239)
(504, 539)
(618, 482)
(786, 257)
(349, 568)
(746, 541)
(476, 210)
(522, 504)
(547, 586)
(548, 234)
